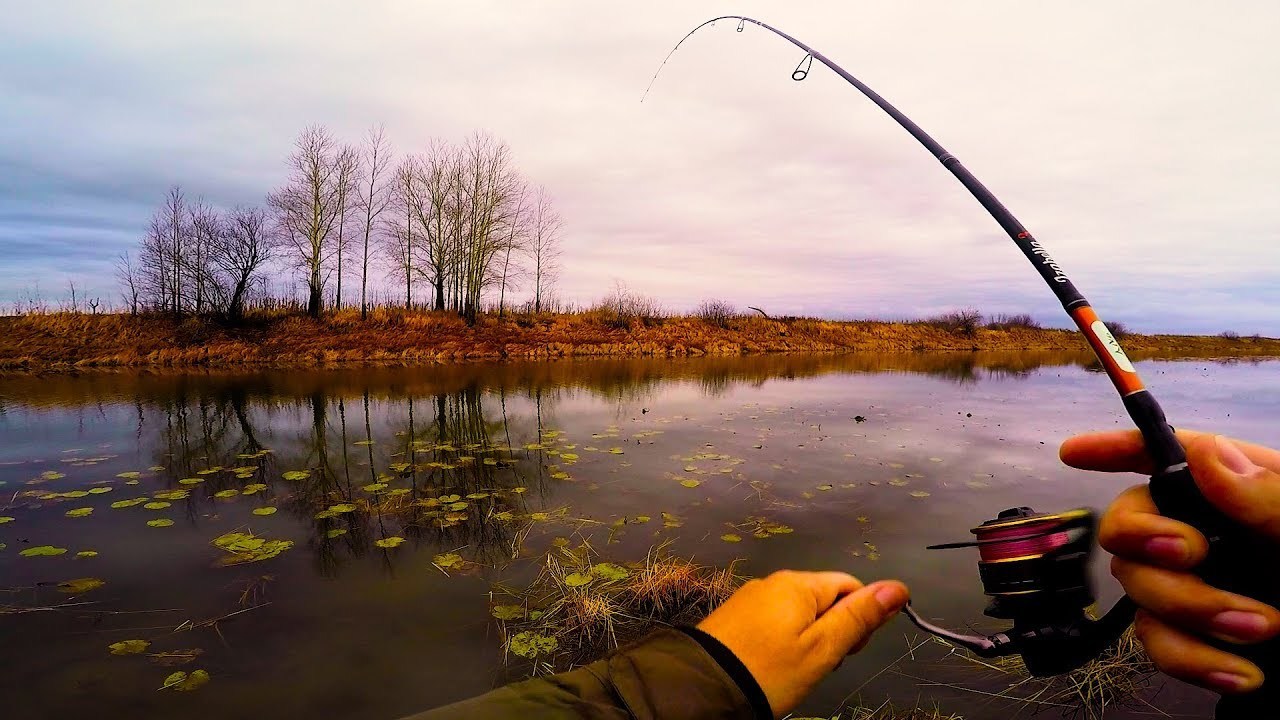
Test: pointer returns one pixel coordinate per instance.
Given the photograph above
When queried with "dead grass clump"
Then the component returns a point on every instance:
(1119, 677)
(1020, 321)
(577, 609)
(889, 712)
(716, 313)
(965, 322)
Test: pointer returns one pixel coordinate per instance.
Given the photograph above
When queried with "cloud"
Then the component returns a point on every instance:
(1137, 142)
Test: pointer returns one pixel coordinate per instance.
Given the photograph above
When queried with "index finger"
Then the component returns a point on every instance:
(827, 587)
(1134, 528)
(1124, 451)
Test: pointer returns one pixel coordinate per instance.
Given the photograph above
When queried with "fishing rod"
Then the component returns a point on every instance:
(1034, 566)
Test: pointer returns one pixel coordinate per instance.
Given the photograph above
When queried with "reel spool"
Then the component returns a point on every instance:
(1035, 568)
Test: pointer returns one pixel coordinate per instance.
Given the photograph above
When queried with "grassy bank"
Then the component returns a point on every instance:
(62, 341)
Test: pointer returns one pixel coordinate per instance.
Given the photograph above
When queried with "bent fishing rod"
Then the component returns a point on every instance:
(1034, 566)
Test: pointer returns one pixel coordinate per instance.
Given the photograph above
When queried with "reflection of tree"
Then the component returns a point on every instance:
(619, 379)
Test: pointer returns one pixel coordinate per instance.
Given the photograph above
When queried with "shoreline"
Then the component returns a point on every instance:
(66, 342)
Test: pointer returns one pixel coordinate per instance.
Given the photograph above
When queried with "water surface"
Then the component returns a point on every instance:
(338, 627)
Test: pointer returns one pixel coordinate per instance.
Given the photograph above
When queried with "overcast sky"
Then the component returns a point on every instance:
(1140, 141)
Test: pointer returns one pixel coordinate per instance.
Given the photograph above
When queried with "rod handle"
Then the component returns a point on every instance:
(1235, 565)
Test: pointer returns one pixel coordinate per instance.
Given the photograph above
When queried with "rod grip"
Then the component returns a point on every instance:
(1235, 565)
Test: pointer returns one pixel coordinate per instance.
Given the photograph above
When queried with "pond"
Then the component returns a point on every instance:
(360, 587)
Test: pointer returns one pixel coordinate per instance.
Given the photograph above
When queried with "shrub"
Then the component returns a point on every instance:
(716, 312)
(1118, 329)
(965, 322)
(1229, 335)
(623, 306)
(1011, 322)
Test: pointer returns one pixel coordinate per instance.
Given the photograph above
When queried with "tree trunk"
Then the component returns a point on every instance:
(314, 299)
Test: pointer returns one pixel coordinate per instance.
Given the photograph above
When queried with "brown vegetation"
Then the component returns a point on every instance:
(62, 341)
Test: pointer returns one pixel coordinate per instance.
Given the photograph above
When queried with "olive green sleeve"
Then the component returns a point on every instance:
(666, 676)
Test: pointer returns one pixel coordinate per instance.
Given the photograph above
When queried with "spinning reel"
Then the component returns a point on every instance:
(1035, 568)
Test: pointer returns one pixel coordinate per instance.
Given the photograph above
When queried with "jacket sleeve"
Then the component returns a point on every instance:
(669, 675)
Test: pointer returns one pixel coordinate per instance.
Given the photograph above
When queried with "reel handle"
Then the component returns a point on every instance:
(1232, 565)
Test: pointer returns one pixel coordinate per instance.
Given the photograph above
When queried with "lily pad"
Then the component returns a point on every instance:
(508, 612)
(264, 511)
(5, 519)
(447, 560)
(131, 475)
(190, 481)
(246, 547)
(530, 644)
(79, 512)
(609, 571)
(690, 482)
(42, 551)
(390, 542)
(919, 493)
(296, 474)
(156, 505)
(731, 537)
(253, 488)
(226, 493)
(80, 585)
(161, 522)
(172, 495)
(128, 647)
(577, 579)
(342, 508)
(87, 554)
(182, 682)
(825, 488)
(99, 490)
(129, 503)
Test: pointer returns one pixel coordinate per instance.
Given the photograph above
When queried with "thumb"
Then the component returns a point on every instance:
(1245, 492)
(847, 626)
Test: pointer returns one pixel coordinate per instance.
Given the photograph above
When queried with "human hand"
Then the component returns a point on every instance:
(793, 628)
(1155, 555)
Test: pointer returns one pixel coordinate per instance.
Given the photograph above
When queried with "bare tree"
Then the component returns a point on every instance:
(433, 212)
(346, 175)
(130, 282)
(398, 240)
(517, 234)
(171, 221)
(543, 246)
(373, 197)
(206, 231)
(239, 256)
(307, 211)
(491, 185)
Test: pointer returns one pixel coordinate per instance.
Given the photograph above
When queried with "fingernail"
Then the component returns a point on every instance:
(1240, 625)
(1230, 455)
(1169, 549)
(891, 597)
(1229, 682)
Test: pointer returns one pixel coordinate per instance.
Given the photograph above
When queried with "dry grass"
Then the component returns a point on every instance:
(619, 603)
(889, 712)
(391, 336)
(1120, 677)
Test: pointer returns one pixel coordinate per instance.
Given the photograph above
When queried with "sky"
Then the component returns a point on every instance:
(1139, 141)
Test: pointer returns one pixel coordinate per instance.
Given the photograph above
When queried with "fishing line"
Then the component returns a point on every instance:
(1034, 565)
